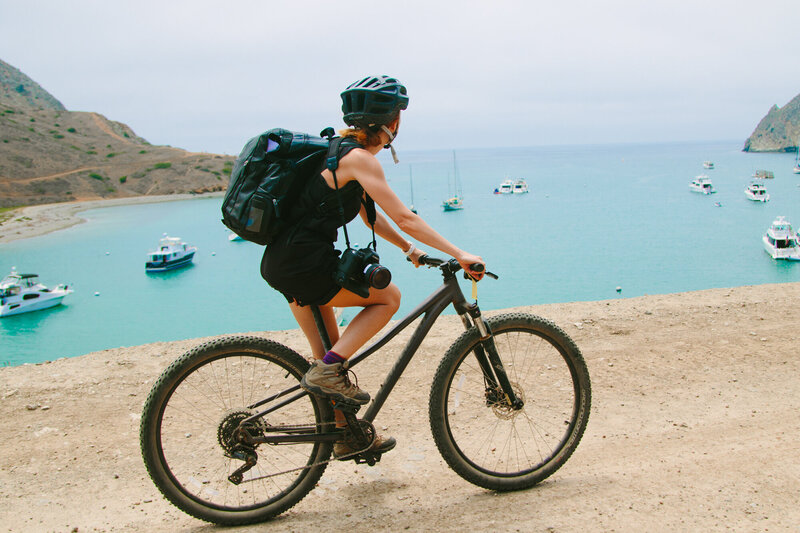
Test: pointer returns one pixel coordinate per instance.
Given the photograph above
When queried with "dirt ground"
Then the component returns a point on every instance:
(694, 427)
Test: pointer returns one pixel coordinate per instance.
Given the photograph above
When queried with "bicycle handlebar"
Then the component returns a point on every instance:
(427, 260)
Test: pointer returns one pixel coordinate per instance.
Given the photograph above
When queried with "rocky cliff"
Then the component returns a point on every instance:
(49, 154)
(778, 131)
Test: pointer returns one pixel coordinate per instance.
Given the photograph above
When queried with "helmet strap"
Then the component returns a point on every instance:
(389, 144)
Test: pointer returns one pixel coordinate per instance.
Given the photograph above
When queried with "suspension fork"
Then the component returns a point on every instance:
(485, 351)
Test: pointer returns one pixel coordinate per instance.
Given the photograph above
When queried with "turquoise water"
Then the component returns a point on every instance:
(597, 217)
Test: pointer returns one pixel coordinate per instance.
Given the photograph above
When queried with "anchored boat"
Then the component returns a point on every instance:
(21, 293)
(172, 253)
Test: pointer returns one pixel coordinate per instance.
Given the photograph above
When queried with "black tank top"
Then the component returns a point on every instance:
(317, 209)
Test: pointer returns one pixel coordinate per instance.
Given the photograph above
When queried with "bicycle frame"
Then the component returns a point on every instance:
(433, 306)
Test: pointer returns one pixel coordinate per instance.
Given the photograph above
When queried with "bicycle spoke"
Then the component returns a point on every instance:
(200, 412)
(486, 436)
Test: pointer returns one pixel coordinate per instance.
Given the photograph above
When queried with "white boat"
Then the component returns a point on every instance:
(21, 293)
(520, 187)
(781, 242)
(708, 164)
(172, 253)
(507, 187)
(757, 192)
(702, 183)
(454, 203)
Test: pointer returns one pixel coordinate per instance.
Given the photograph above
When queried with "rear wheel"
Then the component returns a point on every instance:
(195, 408)
(484, 439)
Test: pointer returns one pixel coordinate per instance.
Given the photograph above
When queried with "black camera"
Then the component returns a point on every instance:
(359, 269)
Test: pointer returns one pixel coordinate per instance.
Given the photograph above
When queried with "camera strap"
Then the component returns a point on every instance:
(332, 163)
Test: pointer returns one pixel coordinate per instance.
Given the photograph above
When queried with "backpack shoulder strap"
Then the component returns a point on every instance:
(332, 163)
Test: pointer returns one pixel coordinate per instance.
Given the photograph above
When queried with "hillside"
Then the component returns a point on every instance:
(778, 131)
(50, 154)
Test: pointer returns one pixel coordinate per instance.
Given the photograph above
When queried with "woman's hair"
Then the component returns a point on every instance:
(368, 136)
(364, 137)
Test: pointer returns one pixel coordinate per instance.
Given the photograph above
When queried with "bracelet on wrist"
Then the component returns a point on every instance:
(410, 250)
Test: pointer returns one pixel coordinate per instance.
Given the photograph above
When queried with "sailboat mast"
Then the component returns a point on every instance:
(411, 183)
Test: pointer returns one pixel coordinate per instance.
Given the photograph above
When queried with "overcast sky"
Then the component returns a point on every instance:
(208, 75)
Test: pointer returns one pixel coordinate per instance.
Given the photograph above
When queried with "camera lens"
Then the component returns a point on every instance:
(377, 276)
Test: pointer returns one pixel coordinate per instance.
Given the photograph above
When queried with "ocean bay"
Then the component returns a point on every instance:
(597, 217)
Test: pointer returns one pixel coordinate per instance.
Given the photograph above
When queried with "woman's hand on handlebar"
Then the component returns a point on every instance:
(415, 255)
(468, 262)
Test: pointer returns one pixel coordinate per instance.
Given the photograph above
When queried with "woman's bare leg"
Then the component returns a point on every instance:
(305, 319)
(379, 308)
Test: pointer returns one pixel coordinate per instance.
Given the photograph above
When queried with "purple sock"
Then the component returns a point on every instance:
(332, 357)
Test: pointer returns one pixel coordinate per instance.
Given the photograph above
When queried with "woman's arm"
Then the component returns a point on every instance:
(362, 166)
(385, 230)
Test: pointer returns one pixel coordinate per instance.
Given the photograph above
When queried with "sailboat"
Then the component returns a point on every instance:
(411, 185)
(455, 202)
(796, 168)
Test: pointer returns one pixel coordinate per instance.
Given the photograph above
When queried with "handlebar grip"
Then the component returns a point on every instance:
(476, 267)
(427, 260)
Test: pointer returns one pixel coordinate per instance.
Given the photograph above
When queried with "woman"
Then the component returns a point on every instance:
(301, 263)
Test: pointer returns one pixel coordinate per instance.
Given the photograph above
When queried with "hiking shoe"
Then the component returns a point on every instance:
(331, 381)
(381, 444)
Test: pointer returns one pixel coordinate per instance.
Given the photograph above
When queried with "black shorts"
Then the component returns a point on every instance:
(301, 265)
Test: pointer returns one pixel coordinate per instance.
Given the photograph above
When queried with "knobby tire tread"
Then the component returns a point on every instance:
(182, 367)
(444, 374)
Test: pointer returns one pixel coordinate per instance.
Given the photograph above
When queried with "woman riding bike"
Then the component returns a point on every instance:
(302, 262)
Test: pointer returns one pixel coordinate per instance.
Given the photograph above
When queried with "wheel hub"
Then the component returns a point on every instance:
(227, 432)
(502, 408)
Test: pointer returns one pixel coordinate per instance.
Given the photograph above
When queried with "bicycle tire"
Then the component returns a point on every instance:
(492, 445)
(189, 410)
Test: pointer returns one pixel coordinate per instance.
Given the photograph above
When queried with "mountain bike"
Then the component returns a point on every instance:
(228, 435)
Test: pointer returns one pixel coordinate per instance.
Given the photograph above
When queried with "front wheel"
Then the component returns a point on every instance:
(192, 415)
(483, 438)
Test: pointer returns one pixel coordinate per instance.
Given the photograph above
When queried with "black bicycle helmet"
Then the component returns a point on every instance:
(374, 100)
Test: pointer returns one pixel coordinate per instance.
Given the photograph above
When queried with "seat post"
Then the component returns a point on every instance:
(323, 331)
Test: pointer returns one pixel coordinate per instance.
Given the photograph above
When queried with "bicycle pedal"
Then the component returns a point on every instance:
(346, 407)
(368, 458)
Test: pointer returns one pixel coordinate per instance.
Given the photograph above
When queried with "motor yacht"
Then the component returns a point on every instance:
(757, 192)
(520, 187)
(781, 242)
(507, 187)
(702, 183)
(21, 293)
(172, 253)
(708, 164)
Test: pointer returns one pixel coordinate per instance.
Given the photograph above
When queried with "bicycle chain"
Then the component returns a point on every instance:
(313, 465)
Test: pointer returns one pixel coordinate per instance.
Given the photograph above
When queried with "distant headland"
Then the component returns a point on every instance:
(50, 154)
(778, 131)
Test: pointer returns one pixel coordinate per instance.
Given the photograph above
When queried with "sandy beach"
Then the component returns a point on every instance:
(693, 428)
(35, 220)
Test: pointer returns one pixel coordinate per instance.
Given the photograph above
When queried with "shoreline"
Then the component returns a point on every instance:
(36, 220)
